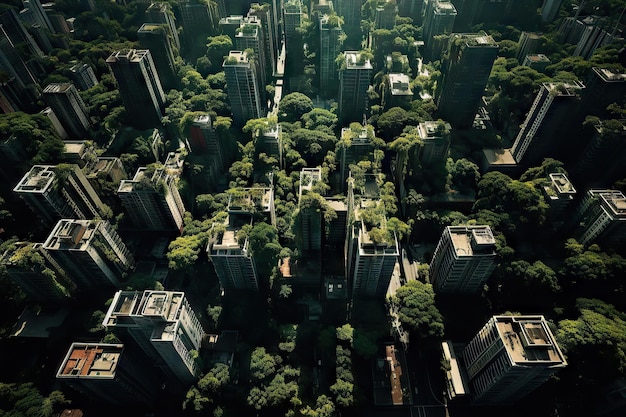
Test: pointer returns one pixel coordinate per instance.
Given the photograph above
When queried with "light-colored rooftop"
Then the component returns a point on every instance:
(467, 239)
(528, 340)
(75, 235)
(55, 88)
(91, 360)
(37, 180)
(352, 60)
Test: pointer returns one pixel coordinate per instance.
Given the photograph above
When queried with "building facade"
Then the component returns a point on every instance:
(330, 46)
(83, 76)
(438, 20)
(435, 138)
(69, 107)
(90, 252)
(106, 374)
(163, 325)
(250, 36)
(243, 88)
(553, 107)
(354, 80)
(602, 218)
(465, 71)
(528, 43)
(139, 85)
(463, 260)
(510, 357)
(152, 201)
(154, 37)
(161, 13)
(56, 192)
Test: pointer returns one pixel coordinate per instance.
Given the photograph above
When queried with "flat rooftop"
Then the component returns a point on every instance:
(499, 157)
(73, 235)
(57, 88)
(91, 360)
(614, 200)
(528, 340)
(37, 180)
(468, 239)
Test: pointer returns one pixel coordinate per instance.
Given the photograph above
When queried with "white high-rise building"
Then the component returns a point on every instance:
(510, 357)
(163, 325)
(463, 260)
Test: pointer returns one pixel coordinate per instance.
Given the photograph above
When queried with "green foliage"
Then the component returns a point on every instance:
(415, 303)
(293, 106)
(345, 333)
(25, 400)
(35, 136)
(465, 175)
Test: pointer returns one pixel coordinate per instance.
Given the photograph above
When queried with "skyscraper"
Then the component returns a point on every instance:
(12, 64)
(90, 252)
(330, 46)
(154, 37)
(242, 85)
(413, 9)
(292, 18)
(162, 14)
(83, 76)
(56, 192)
(559, 194)
(163, 325)
(355, 74)
(232, 258)
(435, 138)
(36, 273)
(205, 139)
(350, 10)
(510, 357)
(463, 260)
(439, 20)
(539, 136)
(385, 15)
(152, 201)
(106, 374)
(354, 146)
(139, 86)
(397, 91)
(16, 31)
(550, 10)
(198, 18)
(250, 36)
(465, 71)
(68, 106)
(528, 43)
(309, 233)
(602, 218)
(372, 251)
(263, 13)
(38, 13)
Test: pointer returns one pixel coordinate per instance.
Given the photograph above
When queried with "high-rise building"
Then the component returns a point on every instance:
(413, 9)
(56, 123)
(56, 192)
(161, 13)
(372, 251)
(292, 18)
(435, 138)
(264, 14)
(465, 71)
(243, 88)
(139, 86)
(90, 252)
(354, 146)
(559, 194)
(538, 62)
(385, 15)
(83, 76)
(510, 357)
(250, 36)
(17, 33)
(603, 87)
(38, 14)
(310, 216)
(12, 64)
(230, 24)
(350, 11)
(593, 37)
(528, 43)
(36, 273)
(397, 91)
(232, 258)
(198, 18)
(538, 137)
(463, 260)
(355, 74)
(270, 141)
(152, 201)
(602, 218)
(550, 10)
(68, 106)
(205, 139)
(438, 20)
(163, 325)
(106, 374)
(154, 37)
(331, 37)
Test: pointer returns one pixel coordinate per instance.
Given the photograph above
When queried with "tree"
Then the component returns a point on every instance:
(415, 303)
(345, 333)
(218, 47)
(393, 121)
(293, 106)
(465, 175)
(262, 364)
